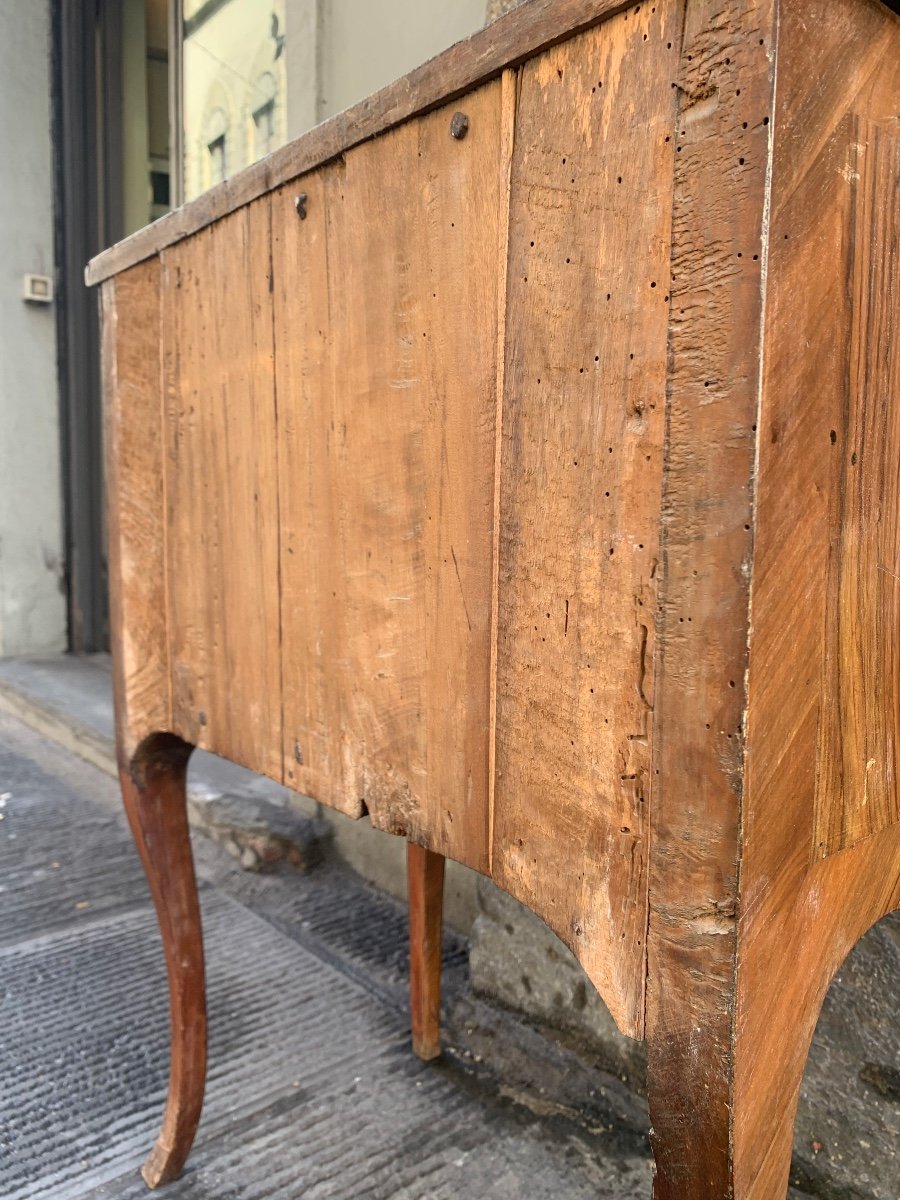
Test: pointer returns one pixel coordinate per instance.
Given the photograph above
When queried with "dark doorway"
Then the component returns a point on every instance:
(97, 46)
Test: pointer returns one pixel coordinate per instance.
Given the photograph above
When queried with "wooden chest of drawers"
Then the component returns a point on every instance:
(515, 459)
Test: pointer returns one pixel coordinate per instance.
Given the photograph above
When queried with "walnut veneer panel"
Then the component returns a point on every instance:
(583, 426)
(221, 491)
(821, 841)
(386, 318)
(859, 766)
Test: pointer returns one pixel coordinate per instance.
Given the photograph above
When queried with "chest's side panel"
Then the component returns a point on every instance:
(821, 836)
(221, 491)
(132, 380)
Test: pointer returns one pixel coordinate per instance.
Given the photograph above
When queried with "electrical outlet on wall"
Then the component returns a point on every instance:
(37, 289)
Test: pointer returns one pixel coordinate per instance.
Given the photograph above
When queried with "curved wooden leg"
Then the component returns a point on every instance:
(707, 1084)
(688, 1089)
(723, 1089)
(154, 792)
(790, 951)
(425, 884)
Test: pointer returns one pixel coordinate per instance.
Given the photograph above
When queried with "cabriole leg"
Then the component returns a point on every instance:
(154, 792)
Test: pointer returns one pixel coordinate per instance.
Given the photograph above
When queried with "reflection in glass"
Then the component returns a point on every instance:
(234, 88)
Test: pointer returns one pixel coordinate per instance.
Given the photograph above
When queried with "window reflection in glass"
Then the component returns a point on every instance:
(234, 93)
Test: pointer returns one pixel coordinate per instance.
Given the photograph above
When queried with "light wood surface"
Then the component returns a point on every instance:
(399, 338)
(581, 448)
(222, 491)
(132, 394)
(534, 492)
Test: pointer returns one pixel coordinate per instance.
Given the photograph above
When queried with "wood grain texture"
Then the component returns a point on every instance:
(386, 344)
(857, 790)
(582, 440)
(221, 492)
(311, 584)
(505, 43)
(537, 494)
(823, 624)
(154, 792)
(725, 88)
(132, 393)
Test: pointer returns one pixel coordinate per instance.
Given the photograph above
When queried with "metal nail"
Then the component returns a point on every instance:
(300, 205)
(459, 126)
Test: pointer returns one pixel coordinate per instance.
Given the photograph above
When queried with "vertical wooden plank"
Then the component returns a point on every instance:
(465, 194)
(222, 498)
(583, 415)
(132, 394)
(725, 86)
(311, 587)
(386, 330)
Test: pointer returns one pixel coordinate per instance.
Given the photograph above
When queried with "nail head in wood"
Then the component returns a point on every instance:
(459, 126)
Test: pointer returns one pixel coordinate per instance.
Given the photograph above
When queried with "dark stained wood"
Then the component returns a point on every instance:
(824, 615)
(132, 374)
(220, 466)
(155, 797)
(425, 883)
(508, 41)
(582, 437)
(725, 88)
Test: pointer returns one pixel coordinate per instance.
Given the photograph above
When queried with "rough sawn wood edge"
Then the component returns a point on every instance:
(507, 42)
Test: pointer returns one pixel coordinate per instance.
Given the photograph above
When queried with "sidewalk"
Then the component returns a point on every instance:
(313, 1091)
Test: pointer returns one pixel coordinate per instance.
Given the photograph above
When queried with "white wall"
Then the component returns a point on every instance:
(365, 45)
(340, 51)
(336, 52)
(32, 605)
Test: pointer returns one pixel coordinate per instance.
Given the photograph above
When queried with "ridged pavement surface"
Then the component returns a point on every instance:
(313, 1091)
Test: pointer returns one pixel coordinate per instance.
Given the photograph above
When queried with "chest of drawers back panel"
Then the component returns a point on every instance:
(334, 391)
(532, 490)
